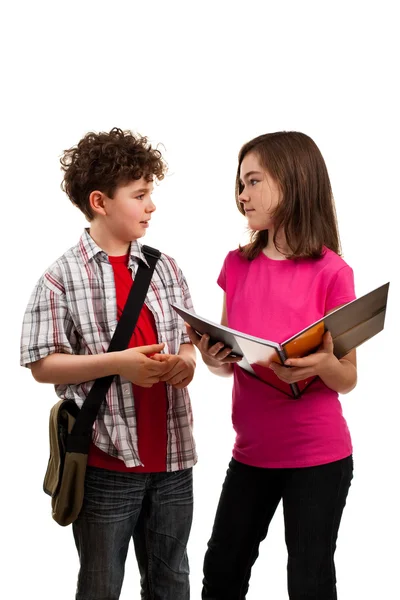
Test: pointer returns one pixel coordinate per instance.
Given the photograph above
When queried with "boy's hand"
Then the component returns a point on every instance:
(320, 363)
(179, 370)
(134, 365)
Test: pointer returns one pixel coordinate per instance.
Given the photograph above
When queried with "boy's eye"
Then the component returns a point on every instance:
(140, 197)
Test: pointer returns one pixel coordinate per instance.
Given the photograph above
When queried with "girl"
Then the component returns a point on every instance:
(297, 451)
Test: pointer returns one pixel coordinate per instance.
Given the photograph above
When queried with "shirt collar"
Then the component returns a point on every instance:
(89, 250)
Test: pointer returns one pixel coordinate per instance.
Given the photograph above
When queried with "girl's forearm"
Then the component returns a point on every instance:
(225, 370)
(341, 376)
(188, 352)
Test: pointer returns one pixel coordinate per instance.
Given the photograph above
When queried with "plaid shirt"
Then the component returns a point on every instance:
(73, 310)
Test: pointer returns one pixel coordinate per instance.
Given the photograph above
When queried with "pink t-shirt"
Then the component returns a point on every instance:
(274, 299)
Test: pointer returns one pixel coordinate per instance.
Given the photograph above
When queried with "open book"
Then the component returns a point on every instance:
(350, 326)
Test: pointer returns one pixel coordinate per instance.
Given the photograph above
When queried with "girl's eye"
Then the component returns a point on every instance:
(253, 181)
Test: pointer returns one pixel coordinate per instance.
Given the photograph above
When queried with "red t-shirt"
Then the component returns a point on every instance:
(150, 403)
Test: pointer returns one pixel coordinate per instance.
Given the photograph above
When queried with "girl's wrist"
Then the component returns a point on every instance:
(330, 367)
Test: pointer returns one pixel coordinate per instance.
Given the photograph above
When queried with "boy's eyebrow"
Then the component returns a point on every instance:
(143, 190)
(250, 173)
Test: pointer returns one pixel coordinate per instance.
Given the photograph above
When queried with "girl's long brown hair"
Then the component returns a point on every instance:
(306, 213)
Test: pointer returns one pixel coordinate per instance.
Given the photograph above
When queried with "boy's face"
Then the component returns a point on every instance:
(127, 215)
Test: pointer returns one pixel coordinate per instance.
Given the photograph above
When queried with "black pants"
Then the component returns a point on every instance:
(313, 501)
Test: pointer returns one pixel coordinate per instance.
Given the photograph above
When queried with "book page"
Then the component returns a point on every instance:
(306, 342)
(259, 357)
(257, 353)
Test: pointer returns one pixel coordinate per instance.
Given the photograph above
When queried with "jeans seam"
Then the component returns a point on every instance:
(149, 561)
(152, 582)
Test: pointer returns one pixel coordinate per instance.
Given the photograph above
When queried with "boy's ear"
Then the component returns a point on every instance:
(97, 202)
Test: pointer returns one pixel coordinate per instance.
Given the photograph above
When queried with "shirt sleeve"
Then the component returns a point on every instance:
(187, 303)
(47, 325)
(340, 289)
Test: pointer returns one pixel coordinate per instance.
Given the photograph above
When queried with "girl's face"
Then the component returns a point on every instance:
(260, 195)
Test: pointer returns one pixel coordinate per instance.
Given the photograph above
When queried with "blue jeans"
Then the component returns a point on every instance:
(313, 501)
(155, 509)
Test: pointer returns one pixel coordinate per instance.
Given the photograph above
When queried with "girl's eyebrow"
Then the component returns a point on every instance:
(250, 173)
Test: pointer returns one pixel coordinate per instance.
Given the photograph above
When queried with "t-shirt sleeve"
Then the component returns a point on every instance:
(222, 276)
(47, 325)
(340, 289)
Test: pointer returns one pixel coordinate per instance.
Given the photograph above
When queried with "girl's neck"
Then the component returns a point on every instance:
(273, 252)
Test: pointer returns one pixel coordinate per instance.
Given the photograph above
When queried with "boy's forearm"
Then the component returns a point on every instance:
(74, 369)
(342, 377)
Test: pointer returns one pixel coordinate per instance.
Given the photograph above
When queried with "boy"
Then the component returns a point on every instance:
(139, 476)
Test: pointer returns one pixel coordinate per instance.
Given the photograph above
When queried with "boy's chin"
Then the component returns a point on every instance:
(138, 234)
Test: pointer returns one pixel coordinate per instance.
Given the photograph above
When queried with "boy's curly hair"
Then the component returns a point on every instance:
(104, 161)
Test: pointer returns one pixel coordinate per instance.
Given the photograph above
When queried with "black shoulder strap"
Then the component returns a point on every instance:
(80, 436)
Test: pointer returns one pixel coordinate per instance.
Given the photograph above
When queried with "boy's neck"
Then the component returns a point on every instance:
(107, 242)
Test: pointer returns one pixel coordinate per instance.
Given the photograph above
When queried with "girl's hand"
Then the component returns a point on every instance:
(320, 364)
(214, 356)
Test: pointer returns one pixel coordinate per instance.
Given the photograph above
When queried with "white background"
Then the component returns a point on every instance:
(202, 78)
